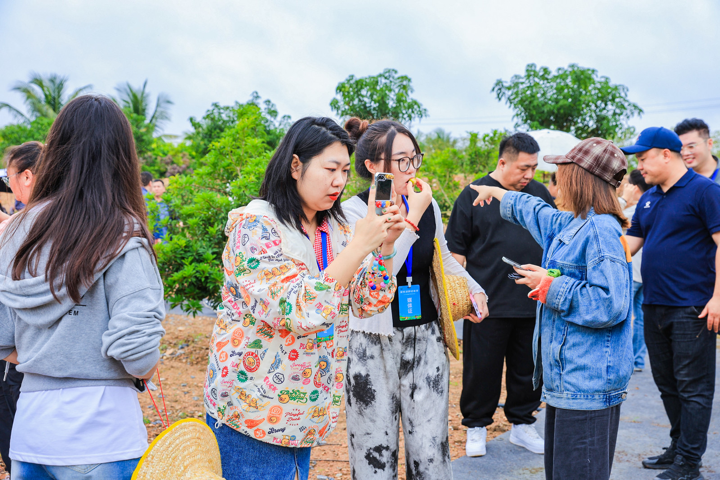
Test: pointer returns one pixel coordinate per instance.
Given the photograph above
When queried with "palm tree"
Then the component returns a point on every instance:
(137, 101)
(44, 96)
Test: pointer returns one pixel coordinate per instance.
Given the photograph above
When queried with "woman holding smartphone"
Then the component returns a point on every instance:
(584, 291)
(397, 365)
(293, 272)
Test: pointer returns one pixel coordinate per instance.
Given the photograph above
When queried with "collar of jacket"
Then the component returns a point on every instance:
(569, 232)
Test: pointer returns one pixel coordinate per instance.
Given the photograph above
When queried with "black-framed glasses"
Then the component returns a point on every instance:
(6, 178)
(404, 162)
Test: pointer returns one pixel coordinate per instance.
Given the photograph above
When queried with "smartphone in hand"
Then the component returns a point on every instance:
(383, 191)
(513, 263)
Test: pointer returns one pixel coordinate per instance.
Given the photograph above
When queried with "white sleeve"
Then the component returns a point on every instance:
(452, 267)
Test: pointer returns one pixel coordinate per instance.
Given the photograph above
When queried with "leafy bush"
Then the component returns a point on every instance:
(16, 134)
(228, 177)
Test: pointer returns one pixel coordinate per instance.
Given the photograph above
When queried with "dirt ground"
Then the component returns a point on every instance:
(182, 371)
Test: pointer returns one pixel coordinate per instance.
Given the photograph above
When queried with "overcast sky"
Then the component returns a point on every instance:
(296, 52)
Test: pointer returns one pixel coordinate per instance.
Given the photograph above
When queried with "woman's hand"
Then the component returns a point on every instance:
(419, 201)
(372, 230)
(532, 275)
(486, 194)
(481, 301)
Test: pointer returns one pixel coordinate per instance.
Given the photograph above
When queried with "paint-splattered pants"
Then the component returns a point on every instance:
(388, 378)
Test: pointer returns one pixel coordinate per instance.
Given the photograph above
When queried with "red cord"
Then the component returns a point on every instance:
(165, 426)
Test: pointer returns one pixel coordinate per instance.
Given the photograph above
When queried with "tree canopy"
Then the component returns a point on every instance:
(44, 96)
(573, 99)
(375, 97)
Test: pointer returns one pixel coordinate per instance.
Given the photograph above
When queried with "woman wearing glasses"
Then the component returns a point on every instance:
(397, 365)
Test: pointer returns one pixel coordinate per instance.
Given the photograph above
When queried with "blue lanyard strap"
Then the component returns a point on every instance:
(323, 236)
(409, 259)
(715, 174)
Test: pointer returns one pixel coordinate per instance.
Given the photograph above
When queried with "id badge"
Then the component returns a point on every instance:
(325, 335)
(409, 302)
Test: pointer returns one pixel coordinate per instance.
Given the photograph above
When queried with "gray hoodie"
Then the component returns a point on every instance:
(111, 335)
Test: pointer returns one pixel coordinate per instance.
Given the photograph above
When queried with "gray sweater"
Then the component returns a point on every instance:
(111, 335)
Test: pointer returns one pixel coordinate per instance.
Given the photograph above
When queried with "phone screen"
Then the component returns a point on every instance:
(383, 189)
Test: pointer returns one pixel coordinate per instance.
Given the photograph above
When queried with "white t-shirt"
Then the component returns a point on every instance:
(78, 426)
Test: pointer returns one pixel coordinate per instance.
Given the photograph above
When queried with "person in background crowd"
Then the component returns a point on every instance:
(584, 329)
(552, 186)
(81, 302)
(697, 148)
(677, 222)
(397, 366)
(160, 230)
(293, 272)
(634, 188)
(480, 237)
(20, 163)
(146, 179)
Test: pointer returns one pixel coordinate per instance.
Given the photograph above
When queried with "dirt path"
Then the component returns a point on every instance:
(182, 373)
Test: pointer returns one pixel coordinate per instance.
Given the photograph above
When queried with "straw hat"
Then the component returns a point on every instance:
(454, 299)
(187, 450)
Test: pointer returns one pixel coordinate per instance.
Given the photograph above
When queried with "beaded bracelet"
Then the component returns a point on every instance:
(379, 273)
(412, 225)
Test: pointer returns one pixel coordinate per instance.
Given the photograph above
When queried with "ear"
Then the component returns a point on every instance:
(710, 142)
(27, 177)
(371, 167)
(501, 163)
(296, 167)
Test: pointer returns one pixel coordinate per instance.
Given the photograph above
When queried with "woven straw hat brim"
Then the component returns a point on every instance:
(188, 450)
(454, 296)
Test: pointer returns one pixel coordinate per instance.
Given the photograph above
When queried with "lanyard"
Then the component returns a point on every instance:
(323, 237)
(409, 259)
(714, 175)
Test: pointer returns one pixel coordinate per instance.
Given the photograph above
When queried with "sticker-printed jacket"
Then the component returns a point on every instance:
(275, 372)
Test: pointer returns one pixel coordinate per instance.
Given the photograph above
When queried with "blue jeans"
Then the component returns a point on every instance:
(121, 470)
(639, 348)
(683, 367)
(243, 457)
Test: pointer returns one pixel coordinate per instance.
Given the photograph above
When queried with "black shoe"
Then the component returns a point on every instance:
(681, 469)
(664, 461)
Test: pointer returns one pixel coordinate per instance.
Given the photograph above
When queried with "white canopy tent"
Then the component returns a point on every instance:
(552, 142)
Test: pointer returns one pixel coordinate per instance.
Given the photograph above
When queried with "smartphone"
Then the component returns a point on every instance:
(514, 264)
(383, 191)
(478, 313)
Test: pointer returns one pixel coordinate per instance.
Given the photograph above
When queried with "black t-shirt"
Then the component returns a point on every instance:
(484, 237)
(423, 250)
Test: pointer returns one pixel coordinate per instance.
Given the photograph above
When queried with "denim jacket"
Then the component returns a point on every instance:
(584, 329)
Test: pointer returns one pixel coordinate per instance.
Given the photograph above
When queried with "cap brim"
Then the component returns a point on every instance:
(632, 149)
(556, 159)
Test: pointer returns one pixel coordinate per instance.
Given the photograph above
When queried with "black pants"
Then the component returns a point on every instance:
(580, 443)
(683, 366)
(486, 346)
(9, 391)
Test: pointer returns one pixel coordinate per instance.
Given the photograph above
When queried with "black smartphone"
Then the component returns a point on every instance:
(383, 191)
(514, 264)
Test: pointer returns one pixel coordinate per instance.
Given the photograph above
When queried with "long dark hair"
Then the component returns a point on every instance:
(307, 138)
(374, 142)
(580, 190)
(88, 186)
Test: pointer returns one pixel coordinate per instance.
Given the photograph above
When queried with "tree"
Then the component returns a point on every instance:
(136, 101)
(218, 119)
(385, 95)
(574, 99)
(44, 96)
(228, 176)
(19, 133)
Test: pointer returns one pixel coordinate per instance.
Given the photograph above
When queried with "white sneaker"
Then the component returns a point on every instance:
(476, 442)
(526, 436)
